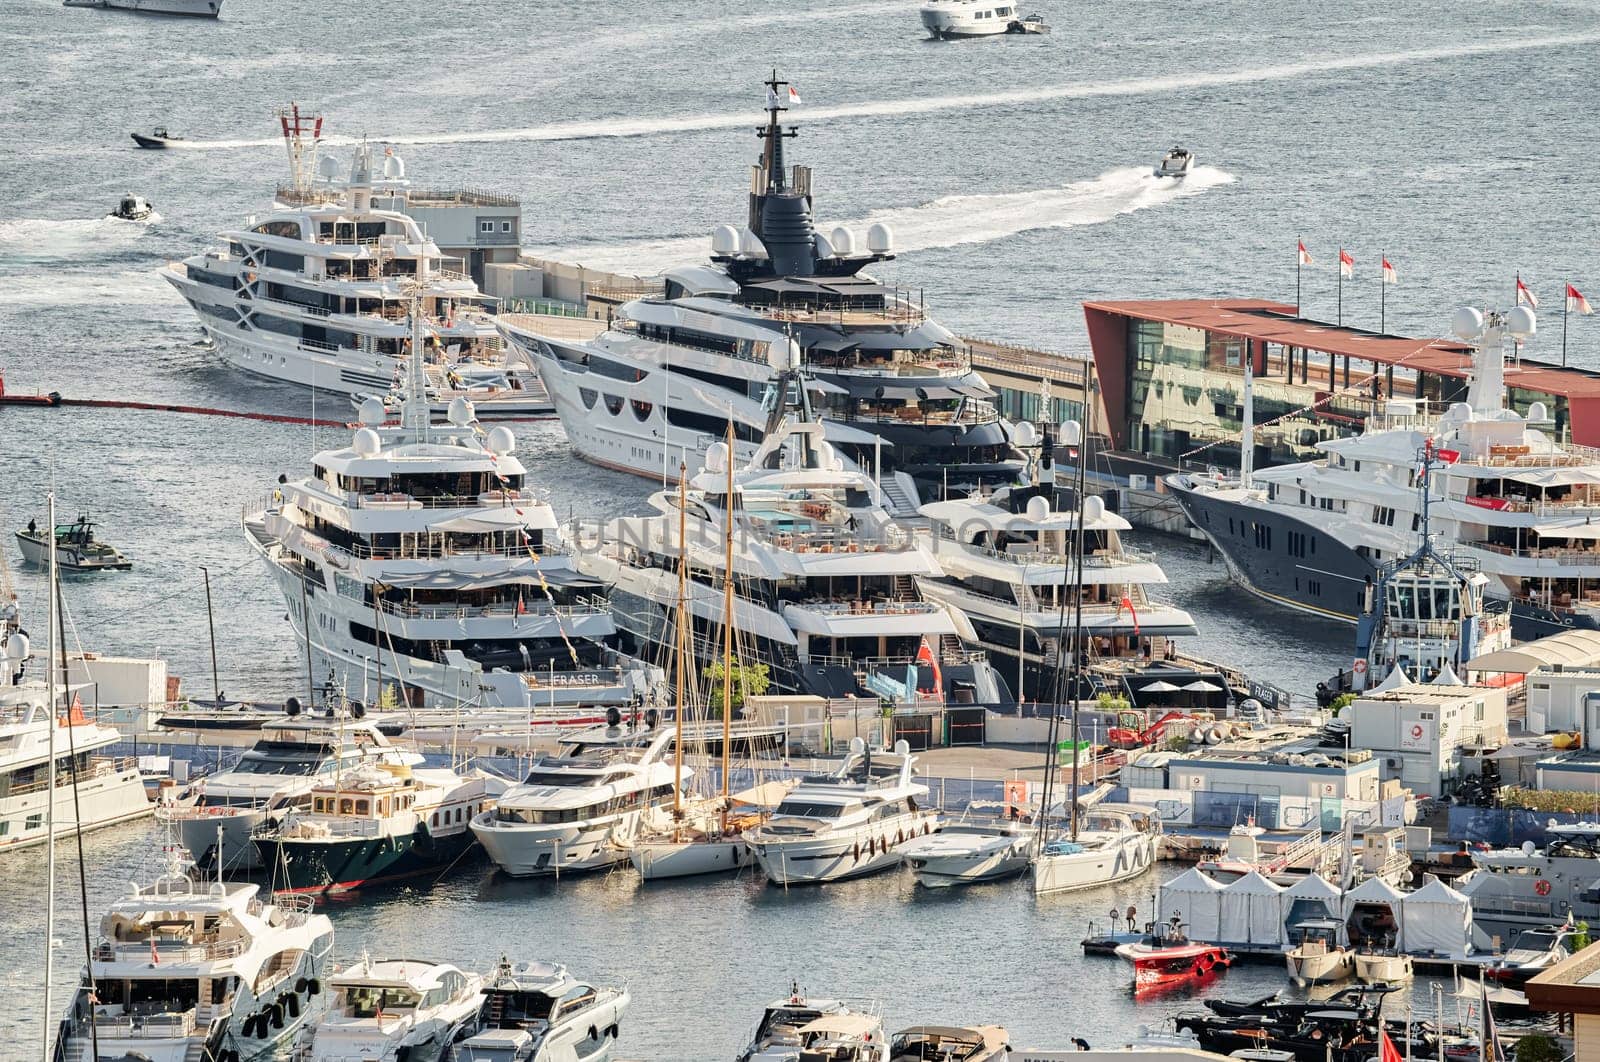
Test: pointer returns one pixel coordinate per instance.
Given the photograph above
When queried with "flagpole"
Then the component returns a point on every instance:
(1341, 295)
(1383, 294)
(1566, 308)
(1299, 263)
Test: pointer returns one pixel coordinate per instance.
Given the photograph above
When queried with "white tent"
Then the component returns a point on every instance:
(1195, 900)
(1438, 919)
(1252, 911)
(1372, 903)
(1310, 897)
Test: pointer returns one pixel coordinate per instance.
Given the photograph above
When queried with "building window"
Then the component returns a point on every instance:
(485, 226)
(505, 226)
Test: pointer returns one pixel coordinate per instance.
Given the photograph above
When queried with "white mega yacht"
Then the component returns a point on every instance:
(1509, 499)
(191, 969)
(539, 1012)
(954, 19)
(578, 809)
(429, 571)
(394, 1010)
(662, 381)
(320, 293)
(846, 824)
(825, 579)
(217, 814)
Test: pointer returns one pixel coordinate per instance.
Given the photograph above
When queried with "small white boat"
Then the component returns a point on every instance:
(190, 8)
(77, 549)
(1319, 958)
(949, 1043)
(1115, 843)
(1533, 951)
(954, 19)
(980, 847)
(1175, 163)
(834, 1030)
(1382, 966)
(134, 208)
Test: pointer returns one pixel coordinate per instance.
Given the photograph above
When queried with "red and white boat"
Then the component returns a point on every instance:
(1167, 957)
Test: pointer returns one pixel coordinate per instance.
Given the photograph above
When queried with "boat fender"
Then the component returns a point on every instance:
(313, 986)
(249, 1024)
(300, 985)
(292, 1003)
(899, 838)
(229, 1055)
(858, 851)
(277, 1015)
(926, 829)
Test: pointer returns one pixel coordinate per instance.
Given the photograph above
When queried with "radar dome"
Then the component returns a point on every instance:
(1025, 434)
(17, 646)
(1038, 508)
(1521, 322)
(1071, 433)
(783, 354)
(460, 413)
(857, 745)
(1094, 509)
(367, 443)
(750, 244)
(823, 245)
(328, 167)
(1466, 323)
(725, 240)
(1539, 413)
(880, 238)
(717, 457)
(843, 240)
(372, 412)
(393, 166)
(501, 441)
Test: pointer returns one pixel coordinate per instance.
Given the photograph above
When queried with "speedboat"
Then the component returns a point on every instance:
(954, 19)
(134, 208)
(1167, 956)
(1382, 966)
(1533, 951)
(1114, 843)
(393, 1010)
(948, 1043)
(979, 847)
(1175, 163)
(156, 139)
(191, 8)
(846, 824)
(77, 550)
(818, 1030)
(538, 1012)
(1320, 958)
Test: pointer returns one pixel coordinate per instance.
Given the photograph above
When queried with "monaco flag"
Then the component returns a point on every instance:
(1305, 255)
(1389, 275)
(794, 94)
(1526, 295)
(1347, 265)
(1387, 1052)
(1576, 301)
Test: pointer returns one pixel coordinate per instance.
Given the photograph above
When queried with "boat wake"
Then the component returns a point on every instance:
(1142, 86)
(89, 287)
(59, 240)
(949, 221)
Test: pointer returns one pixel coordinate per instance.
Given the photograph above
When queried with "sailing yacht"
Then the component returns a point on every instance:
(846, 824)
(1510, 498)
(189, 969)
(826, 580)
(427, 568)
(394, 1010)
(659, 385)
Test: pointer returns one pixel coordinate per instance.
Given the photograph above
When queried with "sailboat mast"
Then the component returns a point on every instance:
(681, 654)
(727, 621)
(50, 767)
(1077, 622)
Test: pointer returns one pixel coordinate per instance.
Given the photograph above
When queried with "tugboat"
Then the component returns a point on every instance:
(77, 550)
(134, 208)
(1175, 163)
(155, 140)
(1166, 956)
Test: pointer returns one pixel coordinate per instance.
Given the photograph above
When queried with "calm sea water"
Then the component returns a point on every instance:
(1454, 138)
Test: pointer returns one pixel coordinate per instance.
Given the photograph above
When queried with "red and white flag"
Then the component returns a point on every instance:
(1526, 295)
(1305, 255)
(927, 658)
(1389, 275)
(1387, 1051)
(794, 94)
(1347, 265)
(1576, 302)
(1127, 603)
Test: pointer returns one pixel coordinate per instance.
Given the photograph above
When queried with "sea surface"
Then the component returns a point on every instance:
(1456, 138)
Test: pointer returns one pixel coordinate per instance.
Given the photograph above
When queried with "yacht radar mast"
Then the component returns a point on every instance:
(302, 134)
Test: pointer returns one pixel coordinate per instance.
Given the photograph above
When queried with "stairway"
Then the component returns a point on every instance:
(900, 491)
(904, 588)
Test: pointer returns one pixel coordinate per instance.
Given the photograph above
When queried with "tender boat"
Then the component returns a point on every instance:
(77, 550)
(946, 1043)
(1320, 958)
(1175, 163)
(190, 8)
(158, 138)
(846, 824)
(1115, 842)
(393, 1010)
(803, 1029)
(1534, 951)
(994, 843)
(134, 208)
(538, 1012)
(1167, 956)
(1382, 966)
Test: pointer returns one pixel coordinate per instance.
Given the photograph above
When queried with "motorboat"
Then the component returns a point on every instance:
(377, 822)
(539, 1012)
(393, 1010)
(955, 19)
(579, 809)
(800, 1028)
(184, 966)
(1382, 965)
(217, 814)
(1114, 842)
(1175, 163)
(1535, 886)
(134, 208)
(1030, 24)
(77, 548)
(1534, 951)
(847, 824)
(190, 8)
(1166, 956)
(1320, 957)
(156, 139)
(949, 1043)
(989, 842)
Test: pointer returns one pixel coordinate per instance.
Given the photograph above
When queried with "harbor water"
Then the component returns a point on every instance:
(1015, 172)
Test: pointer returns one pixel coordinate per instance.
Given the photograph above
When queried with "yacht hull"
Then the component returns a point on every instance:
(1320, 967)
(583, 846)
(1383, 969)
(813, 861)
(113, 796)
(1121, 860)
(657, 860)
(341, 864)
(198, 832)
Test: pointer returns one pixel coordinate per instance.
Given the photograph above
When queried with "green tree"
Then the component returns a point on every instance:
(1539, 1047)
(1340, 703)
(749, 680)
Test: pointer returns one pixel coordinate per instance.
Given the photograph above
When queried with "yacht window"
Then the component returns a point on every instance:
(364, 1001)
(345, 806)
(363, 807)
(562, 779)
(806, 809)
(435, 818)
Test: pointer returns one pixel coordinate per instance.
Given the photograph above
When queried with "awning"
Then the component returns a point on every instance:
(1202, 686)
(1577, 648)
(846, 1025)
(503, 519)
(1572, 529)
(1552, 477)
(1160, 686)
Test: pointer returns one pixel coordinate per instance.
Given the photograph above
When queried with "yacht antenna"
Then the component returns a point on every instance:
(77, 822)
(774, 134)
(727, 624)
(1247, 438)
(682, 653)
(302, 133)
(1077, 620)
(50, 800)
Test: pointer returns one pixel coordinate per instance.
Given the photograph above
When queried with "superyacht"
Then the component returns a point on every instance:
(825, 580)
(1510, 499)
(420, 567)
(1537, 885)
(662, 381)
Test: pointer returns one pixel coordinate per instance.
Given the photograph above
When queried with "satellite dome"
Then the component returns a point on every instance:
(367, 443)
(328, 167)
(843, 240)
(1094, 509)
(1071, 433)
(1025, 434)
(1538, 413)
(501, 441)
(750, 244)
(1038, 508)
(725, 240)
(394, 166)
(372, 412)
(460, 412)
(17, 646)
(717, 457)
(1466, 323)
(1521, 322)
(880, 238)
(823, 245)
(783, 354)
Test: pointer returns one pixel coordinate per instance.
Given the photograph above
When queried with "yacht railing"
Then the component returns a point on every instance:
(867, 608)
(1582, 557)
(98, 767)
(880, 663)
(165, 1025)
(486, 500)
(532, 609)
(1024, 556)
(167, 952)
